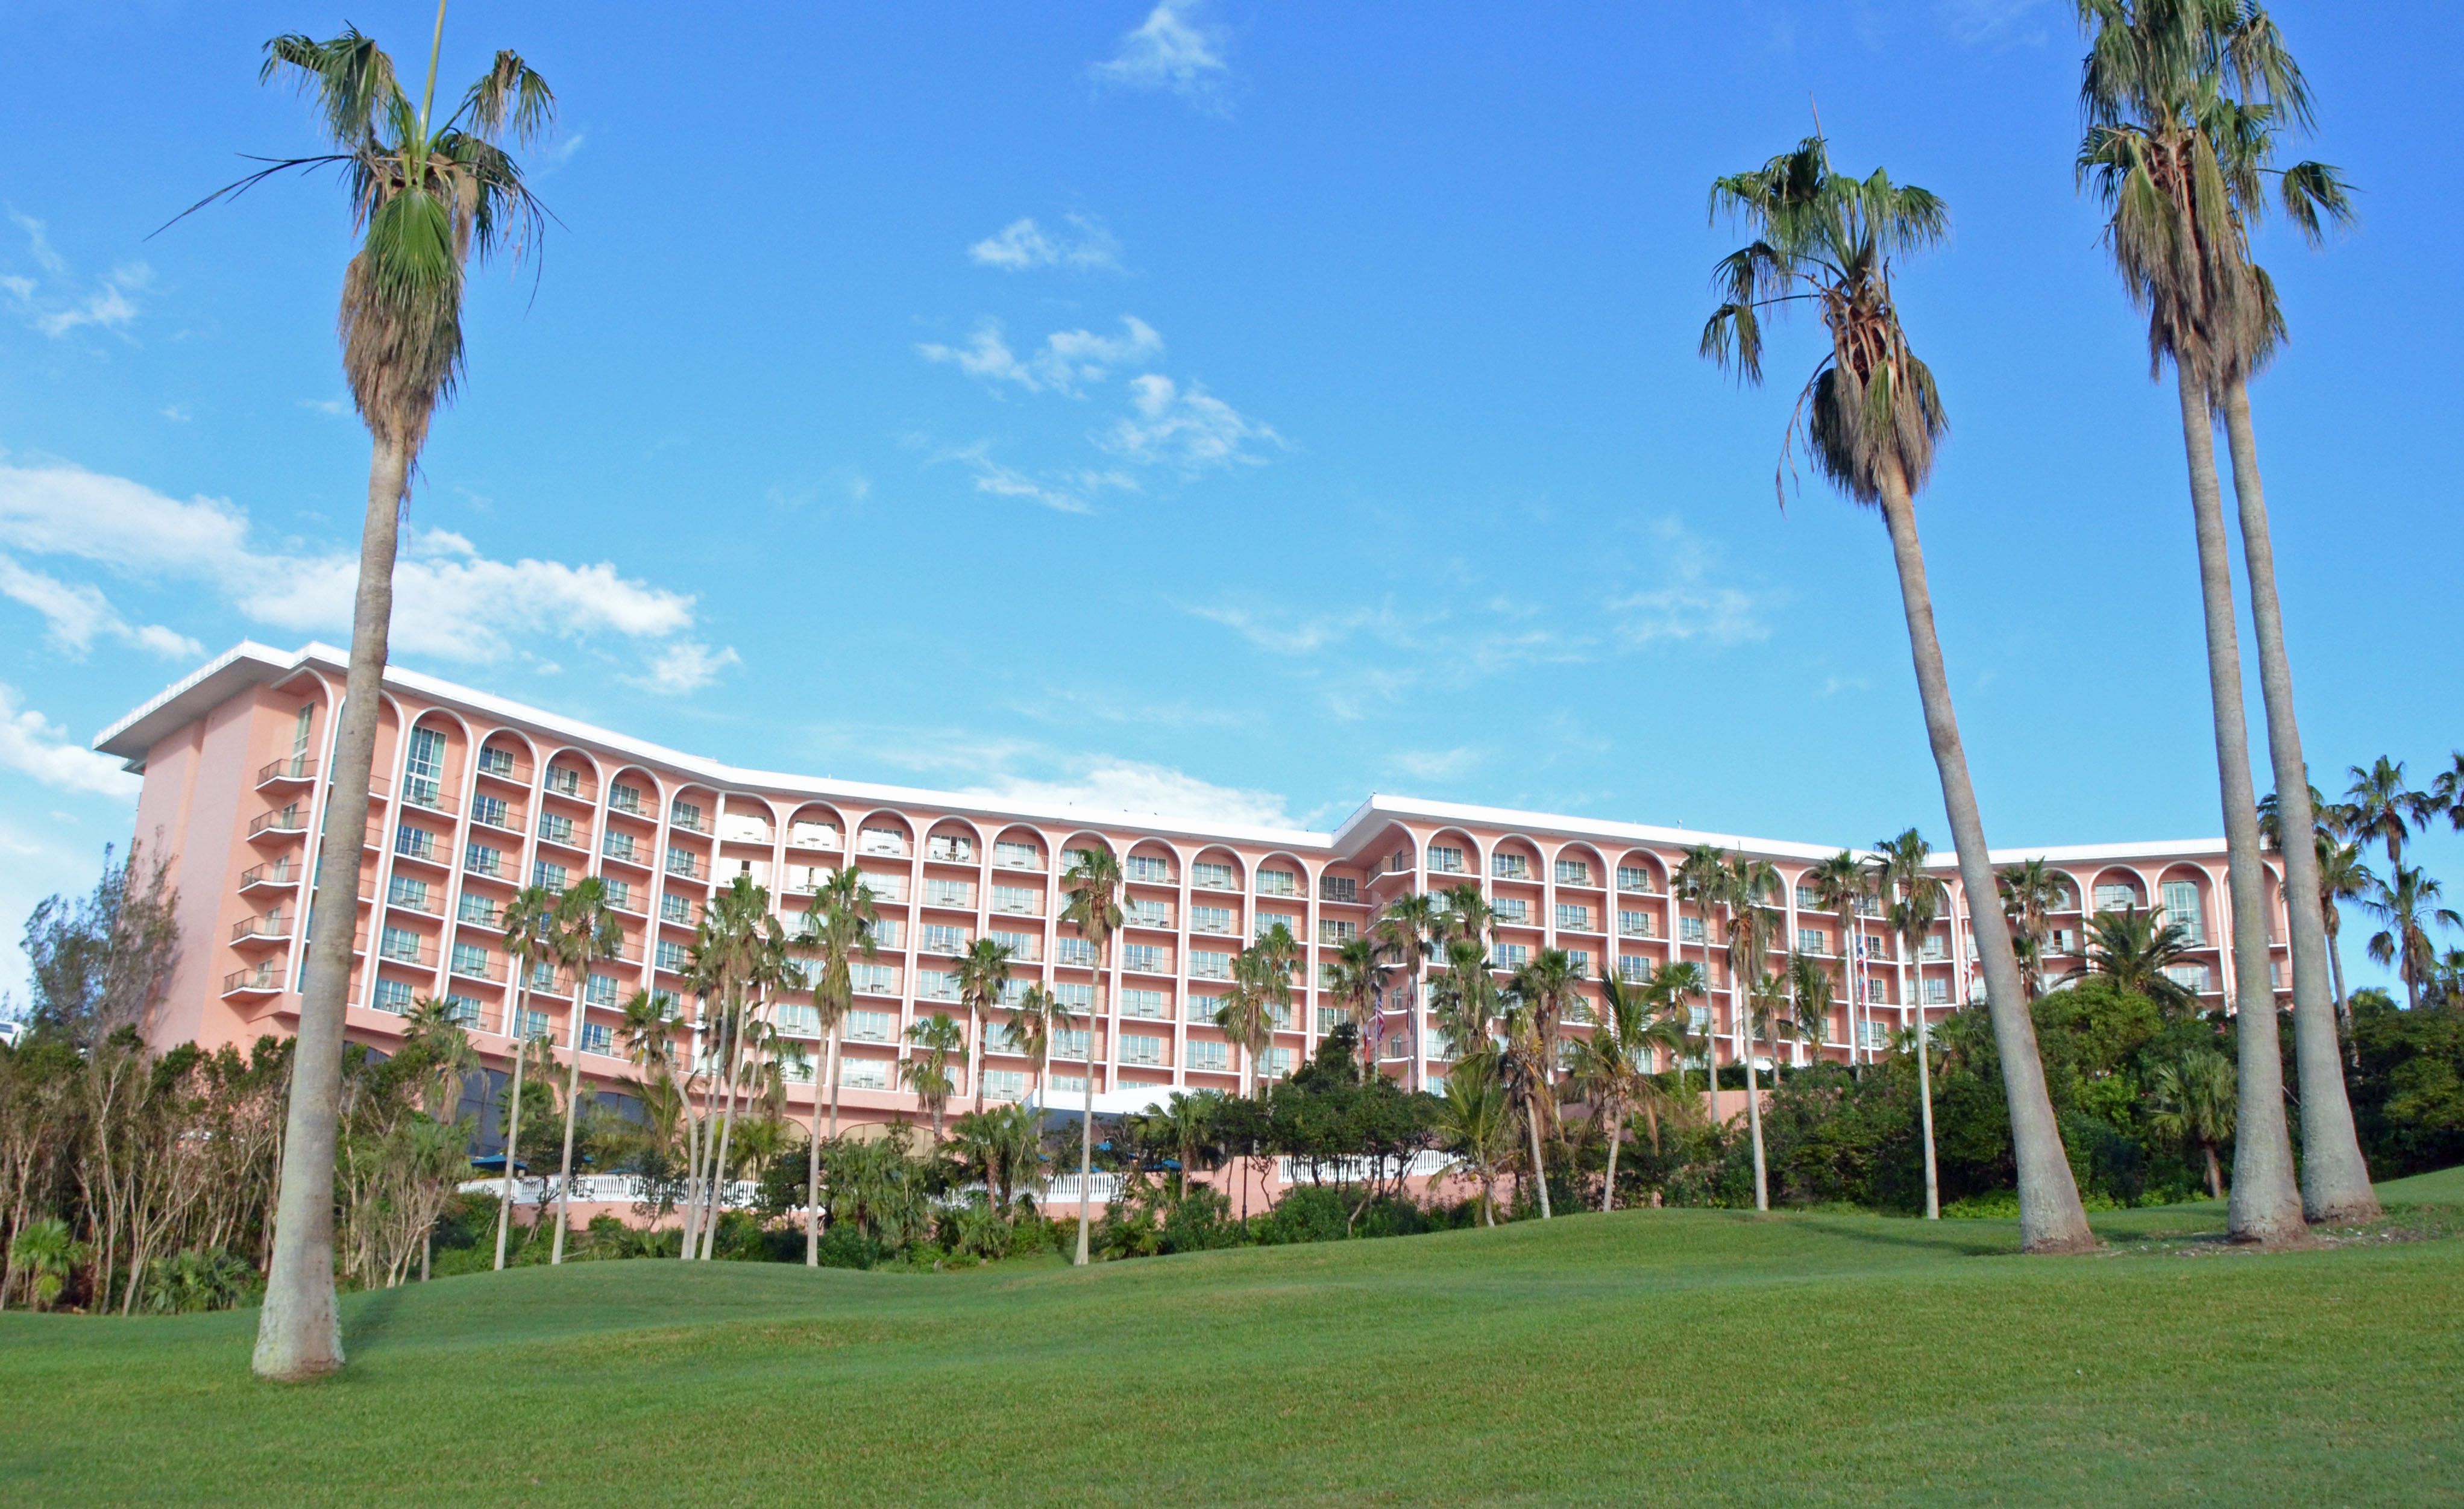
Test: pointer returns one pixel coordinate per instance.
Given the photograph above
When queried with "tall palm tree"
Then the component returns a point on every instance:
(1912, 898)
(530, 928)
(1522, 1067)
(431, 1029)
(1669, 988)
(746, 950)
(1359, 975)
(1278, 954)
(2192, 1102)
(2031, 890)
(1406, 931)
(1463, 996)
(2408, 906)
(426, 199)
(1839, 882)
(1469, 914)
(1809, 989)
(2134, 950)
(1754, 924)
(983, 972)
(2447, 791)
(927, 1070)
(2181, 99)
(585, 932)
(1701, 880)
(1094, 882)
(1611, 1067)
(1871, 417)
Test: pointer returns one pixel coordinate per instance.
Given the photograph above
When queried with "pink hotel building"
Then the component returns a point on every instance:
(475, 797)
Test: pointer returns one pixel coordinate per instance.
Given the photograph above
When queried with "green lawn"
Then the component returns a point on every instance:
(1656, 1357)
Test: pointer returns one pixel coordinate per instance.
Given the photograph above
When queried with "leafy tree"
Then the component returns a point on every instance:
(1871, 416)
(103, 963)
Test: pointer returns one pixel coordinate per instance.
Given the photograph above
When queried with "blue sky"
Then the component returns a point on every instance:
(1225, 408)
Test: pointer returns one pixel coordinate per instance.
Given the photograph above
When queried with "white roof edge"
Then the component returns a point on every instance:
(250, 661)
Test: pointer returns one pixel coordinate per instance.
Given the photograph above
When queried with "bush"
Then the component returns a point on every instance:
(186, 1282)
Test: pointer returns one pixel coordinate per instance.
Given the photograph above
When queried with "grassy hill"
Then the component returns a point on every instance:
(1655, 1357)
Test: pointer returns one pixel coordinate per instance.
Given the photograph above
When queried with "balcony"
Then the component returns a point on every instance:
(503, 818)
(563, 835)
(687, 822)
(263, 980)
(429, 797)
(281, 873)
(1018, 857)
(282, 822)
(567, 782)
(297, 768)
(500, 765)
(420, 955)
(483, 967)
(624, 849)
(272, 928)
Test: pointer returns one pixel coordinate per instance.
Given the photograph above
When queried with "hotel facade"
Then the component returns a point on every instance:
(475, 797)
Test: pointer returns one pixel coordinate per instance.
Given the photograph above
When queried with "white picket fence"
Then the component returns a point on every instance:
(603, 1188)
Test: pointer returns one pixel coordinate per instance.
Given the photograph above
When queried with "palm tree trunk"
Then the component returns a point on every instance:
(299, 1331)
(513, 1123)
(2266, 1202)
(1710, 1022)
(692, 1212)
(1608, 1191)
(813, 1185)
(726, 1134)
(976, 1031)
(2335, 1176)
(1087, 1123)
(838, 1030)
(572, 1101)
(2051, 1219)
(1925, 1106)
(2215, 1172)
(1539, 1169)
(1754, 1127)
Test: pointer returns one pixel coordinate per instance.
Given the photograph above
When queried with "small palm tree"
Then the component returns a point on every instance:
(530, 931)
(982, 973)
(1463, 996)
(431, 1029)
(1871, 416)
(46, 1253)
(2031, 890)
(1912, 897)
(1525, 1069)
(1841, 884)
(428, 198)
(1187, 1123)
(1702, 877)
(1094, 882)
(837, 929)
(585, 930)
(1809, 987)
(1035, 1023)
(927, 1071)
(2343, 876)
(1611, 1067)
(2410, 907)
(1407, 932)
(2193, 1103)
(1359, 975)
(2136, 951)
(1244, 1015)
(1475, 1122)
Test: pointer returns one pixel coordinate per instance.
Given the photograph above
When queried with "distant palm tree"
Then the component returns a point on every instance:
(1475, 1122)
(431, 1028)
(1871, 417)
(2408, 906)
(1754, 926)
(1406, 931)
(2030, 891)
(1094, 882)
(927, 1070)
(740, 953)
(530, 928)
(2343, 876)
(1912, 897)
(1187, 1123)
(2447, 791)
(1035, 1023)
(1809, 988)
(837, 929)
(1246, 1015)
(2193, 1103)
(2135, 950)
(1537, 1002)
(983, 972)
(1359, 975)
(1464, 997)
(1841, 884)
(2382, 806)
(1611, 1067)
(1701, 879)
(585, 932)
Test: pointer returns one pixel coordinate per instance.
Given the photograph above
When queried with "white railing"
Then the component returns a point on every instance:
(1101, 1188)
(602, 1189)
(1358, 1170)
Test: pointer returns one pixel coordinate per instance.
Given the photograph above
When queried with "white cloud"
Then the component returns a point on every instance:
(109, 306)
(1132, 787)
(1283, 634)
(1190, 432)
(1023, 244)
(1439, 764)
(562, 152)
(327, 406)
(73, 616)
(1071, 491)
(1169, 51)
(683, 667)
(1994, 23)
(449, 599)
(1688, 604)
(34, 746)
(40, 248)
(1068, 360)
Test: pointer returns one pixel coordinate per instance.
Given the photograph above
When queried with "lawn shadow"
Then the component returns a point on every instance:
(1940, 1239)
(370, 1320)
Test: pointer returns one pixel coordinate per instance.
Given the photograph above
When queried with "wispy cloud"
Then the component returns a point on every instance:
(1189, 431)
(1022, 244)
(449, 599)
(32, 745)
(41, 243)
(686, 665)
(1687, 602)
(1148, 790)
(1170, 51)
(1068, 360)
(1996, 23)
(110, 303)
(1441, 764)
(327, 406)
(1066, 492)
(75, 615)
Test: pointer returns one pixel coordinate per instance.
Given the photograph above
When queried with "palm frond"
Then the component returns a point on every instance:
(349, 78)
